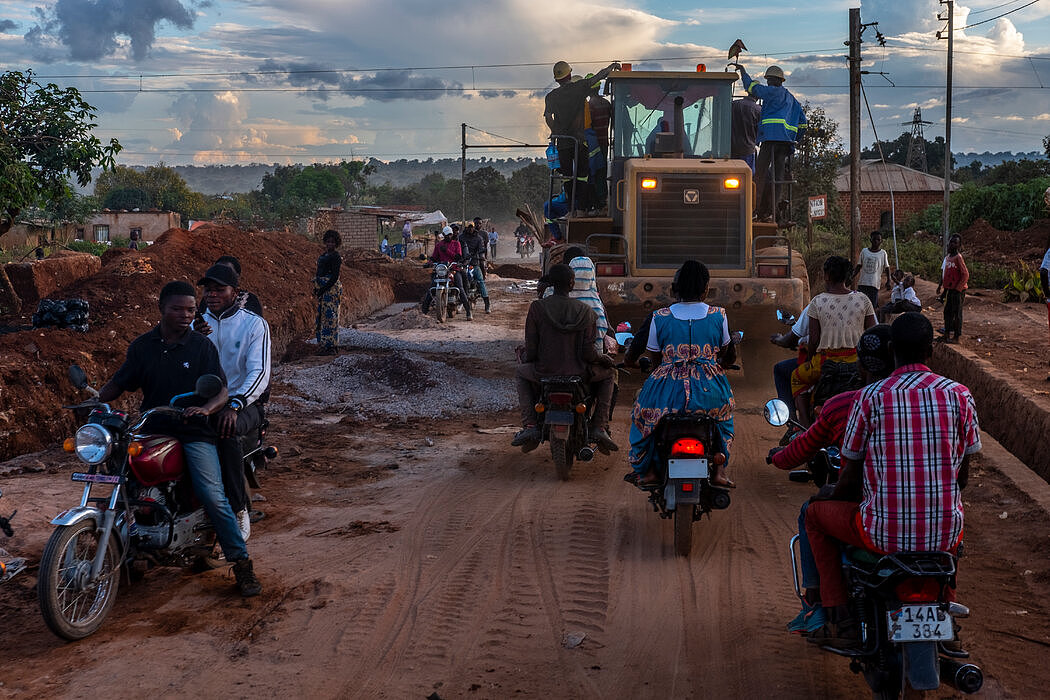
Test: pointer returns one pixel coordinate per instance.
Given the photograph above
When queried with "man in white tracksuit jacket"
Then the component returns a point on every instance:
(243, 340)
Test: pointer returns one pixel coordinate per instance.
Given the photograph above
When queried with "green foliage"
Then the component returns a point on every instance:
(45, 139)
(156, 187)
(89, 247)
(816, 165)
(292, 192)
(1006, 207)
(1023, 285)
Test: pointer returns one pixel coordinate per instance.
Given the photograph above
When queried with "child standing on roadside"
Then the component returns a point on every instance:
(874, 265)
(954, 279)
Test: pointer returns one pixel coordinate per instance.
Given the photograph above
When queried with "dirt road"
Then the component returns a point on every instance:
(397, 568)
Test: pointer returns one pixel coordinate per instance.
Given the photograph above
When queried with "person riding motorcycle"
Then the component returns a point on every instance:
(876, 362)
(690, 340)
(559, 341)
(906, 457)
(837, 319)
(447, 251)
(243, 341)
(474, 244)
(163, 363)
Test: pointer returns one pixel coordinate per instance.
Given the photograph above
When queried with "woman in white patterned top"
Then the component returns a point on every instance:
(837, 319)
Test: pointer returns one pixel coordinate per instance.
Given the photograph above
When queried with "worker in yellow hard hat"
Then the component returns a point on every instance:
(563, 112)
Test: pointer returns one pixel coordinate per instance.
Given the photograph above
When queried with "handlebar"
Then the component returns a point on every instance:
(170, 410)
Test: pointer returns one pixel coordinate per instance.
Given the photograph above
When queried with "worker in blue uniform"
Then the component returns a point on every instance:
(781, 124)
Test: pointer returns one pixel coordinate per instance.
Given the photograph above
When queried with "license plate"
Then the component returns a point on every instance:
(96, 478)
(560, 418)
(919, 623)
(687, 469)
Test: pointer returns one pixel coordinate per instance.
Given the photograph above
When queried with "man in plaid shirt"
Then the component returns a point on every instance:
(905, 458)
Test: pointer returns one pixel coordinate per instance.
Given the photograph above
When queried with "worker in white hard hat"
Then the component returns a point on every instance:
(563, 112)
(782, 123)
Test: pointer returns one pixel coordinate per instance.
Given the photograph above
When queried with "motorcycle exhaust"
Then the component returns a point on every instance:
(586, 454)
(964, 677)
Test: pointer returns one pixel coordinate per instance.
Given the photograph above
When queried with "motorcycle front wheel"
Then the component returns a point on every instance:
(683, 530)
(442, 305)
(562, 456)
(74, 607)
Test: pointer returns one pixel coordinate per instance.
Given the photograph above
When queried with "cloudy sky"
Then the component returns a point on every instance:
(239, 81)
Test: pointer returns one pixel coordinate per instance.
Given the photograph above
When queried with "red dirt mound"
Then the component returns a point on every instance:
(278, 267)
(984, 242)
(516, 272)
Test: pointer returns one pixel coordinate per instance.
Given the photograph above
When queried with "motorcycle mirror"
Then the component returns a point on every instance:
(776, 412)
(736, 337)
(77, 376)
(786, 319)
(208, 386)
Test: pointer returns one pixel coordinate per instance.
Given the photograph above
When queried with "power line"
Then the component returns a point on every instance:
(992, 19)
(321, 71)
(993, 7)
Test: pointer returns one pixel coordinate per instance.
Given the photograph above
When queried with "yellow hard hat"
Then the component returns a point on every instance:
(562, 70)
(774, 72)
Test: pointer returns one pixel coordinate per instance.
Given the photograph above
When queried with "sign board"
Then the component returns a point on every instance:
(818, 206)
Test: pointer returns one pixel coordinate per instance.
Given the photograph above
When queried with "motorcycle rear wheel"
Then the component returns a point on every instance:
(442, 306)
(71, 609)
(683, 530)
(562, 456)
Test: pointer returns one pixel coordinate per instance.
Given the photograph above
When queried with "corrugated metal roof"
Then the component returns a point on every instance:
(876, 176)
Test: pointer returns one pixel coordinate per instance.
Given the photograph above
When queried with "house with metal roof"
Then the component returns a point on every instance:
(889, 187)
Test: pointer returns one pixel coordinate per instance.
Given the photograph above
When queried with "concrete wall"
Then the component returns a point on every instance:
(152, 223)
(872, 204)
(27, 234)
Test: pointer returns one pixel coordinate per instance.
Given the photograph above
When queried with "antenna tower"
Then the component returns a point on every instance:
(917, 144)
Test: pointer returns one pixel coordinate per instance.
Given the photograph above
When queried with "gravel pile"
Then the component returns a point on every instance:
(409, 318)
(398, 384)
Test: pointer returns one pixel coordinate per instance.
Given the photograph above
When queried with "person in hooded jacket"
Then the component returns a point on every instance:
(559, 342)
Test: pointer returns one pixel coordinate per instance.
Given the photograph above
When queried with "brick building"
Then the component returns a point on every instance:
(362, 227)
(110, 224)
(912, 190)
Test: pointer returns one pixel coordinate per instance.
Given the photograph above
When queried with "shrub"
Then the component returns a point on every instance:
(1023, 285)
(89, 247)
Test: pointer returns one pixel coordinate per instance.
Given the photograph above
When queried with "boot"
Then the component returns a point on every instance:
(470, 312)
(528, 438)
(488, 307)
(246, 581)
(604, 442)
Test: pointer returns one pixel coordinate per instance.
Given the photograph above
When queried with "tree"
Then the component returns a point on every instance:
(816, 163)
(1046, 146)
(45, 139)
(156, 187)
(127, 198)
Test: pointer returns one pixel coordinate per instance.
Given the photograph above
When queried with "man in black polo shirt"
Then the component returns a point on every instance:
(165, 362)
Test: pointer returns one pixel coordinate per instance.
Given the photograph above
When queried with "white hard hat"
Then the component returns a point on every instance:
(447, 231)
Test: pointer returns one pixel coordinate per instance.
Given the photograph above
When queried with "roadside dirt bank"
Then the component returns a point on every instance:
(407, 556)
(278, 267)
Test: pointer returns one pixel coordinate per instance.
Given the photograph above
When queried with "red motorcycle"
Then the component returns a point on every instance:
(146, 516)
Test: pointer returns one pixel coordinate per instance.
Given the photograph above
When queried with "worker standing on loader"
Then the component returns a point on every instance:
(781, 125)
(563, 112)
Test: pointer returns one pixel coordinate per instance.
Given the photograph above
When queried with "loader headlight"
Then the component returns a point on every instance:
(648, 183)
(731, 183)
(93, 443)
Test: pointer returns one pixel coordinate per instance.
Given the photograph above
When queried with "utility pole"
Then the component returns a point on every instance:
(854, 132)
(463, 173)
(947, 120)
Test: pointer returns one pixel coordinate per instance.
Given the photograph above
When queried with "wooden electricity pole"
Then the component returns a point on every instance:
(854, 133)
(947, 122)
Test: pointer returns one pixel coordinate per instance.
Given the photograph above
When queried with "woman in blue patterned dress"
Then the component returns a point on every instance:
(690, 341)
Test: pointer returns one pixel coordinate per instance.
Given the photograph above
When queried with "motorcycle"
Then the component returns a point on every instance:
(526, 246)
(686, 450)
(9, 566)
(149, 517)
(565, 409)
(823, 468)
(901, 602)
(444, 295)
(907, 621)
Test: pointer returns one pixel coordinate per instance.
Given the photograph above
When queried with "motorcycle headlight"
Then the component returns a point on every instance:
(441, 270)
(93, 443)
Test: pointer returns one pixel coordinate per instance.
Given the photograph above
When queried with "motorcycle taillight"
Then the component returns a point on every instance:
(560, 397)
(918, 590)
(687, 447)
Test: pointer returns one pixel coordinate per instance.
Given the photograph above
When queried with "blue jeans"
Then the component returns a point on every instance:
(481, 281)
(782, 381)
(810, 575)
(202, 459)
